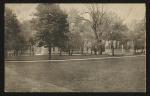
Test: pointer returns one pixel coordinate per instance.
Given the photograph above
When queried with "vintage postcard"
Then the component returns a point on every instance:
(75, 47)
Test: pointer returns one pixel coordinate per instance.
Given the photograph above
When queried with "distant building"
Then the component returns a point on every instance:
(119, 49)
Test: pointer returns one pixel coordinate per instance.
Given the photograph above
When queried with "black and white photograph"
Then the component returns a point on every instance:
(75, 47)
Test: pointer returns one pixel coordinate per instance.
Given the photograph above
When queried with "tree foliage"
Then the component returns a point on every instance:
(106, 26)
(51, 26)
(138, 34)
(79, 31)
(13, 38)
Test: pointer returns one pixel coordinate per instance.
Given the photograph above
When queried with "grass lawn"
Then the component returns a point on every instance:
(127, 74)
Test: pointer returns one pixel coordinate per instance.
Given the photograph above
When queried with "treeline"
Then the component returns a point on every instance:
(13, 38)
(53, 27)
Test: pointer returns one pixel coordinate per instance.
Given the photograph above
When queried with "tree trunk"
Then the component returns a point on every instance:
(95, 52)
(113, 51)
(99, 47)
(82, 51)
(16, 52)
(49, 50)
(60, 52)
(32, 50)
(100, 50)
(91, 51)
(87, 50)
(21, 51)
(134, 47)
(112, 48)
(134, 51)
(71, 52)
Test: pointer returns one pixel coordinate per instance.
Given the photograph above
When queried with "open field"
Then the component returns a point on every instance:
(125, 74)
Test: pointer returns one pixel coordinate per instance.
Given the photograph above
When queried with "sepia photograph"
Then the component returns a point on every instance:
(75, 47)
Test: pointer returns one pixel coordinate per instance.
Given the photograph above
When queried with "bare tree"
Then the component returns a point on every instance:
(97, 14)
(76, 29)
(99, 21)
(106, 26)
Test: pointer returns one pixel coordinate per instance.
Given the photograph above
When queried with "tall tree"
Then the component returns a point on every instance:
(96, 15)
(75, 43)
(51, 26)
(105, 26)
(138, 35)
(117, 33)
(28, 32)
(114, 29)
(78, 29)
(13, 39)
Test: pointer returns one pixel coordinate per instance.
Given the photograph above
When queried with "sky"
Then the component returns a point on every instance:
(127, 12)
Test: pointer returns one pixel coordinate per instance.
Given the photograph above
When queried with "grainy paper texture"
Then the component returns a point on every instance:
(75, 47)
